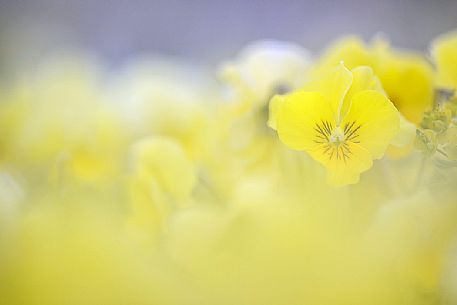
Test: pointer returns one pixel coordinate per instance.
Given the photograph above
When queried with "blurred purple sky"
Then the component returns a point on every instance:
(209, 30)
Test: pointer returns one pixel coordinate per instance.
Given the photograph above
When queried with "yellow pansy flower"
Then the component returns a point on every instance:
(444, 52)
(342, 120)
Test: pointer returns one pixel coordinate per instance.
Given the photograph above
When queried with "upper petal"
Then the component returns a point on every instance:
(363, 79)
(334, 85)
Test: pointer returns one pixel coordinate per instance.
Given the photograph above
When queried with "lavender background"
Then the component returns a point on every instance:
(207, 30)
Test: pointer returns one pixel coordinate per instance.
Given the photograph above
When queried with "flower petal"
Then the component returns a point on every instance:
(444, 52)
(297, 117)
(363, 79)
(333, 84)
(378, 119)
(273, 108)
(340, 172)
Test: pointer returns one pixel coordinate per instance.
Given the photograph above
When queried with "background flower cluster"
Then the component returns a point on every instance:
(165, 182)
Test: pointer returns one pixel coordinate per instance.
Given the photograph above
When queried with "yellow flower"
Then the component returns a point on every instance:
(159, 96)
(262, 68)
(60, 119)
(240, 136)
(444, 52)
(162, 179)
(342, 120)
(406, 77)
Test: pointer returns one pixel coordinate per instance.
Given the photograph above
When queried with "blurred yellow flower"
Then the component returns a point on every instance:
(161, 180)
(406, 77)
(60, 118)
(264, 67)
(241, 136)
(165, 97)
(444, 53)
(342, 120)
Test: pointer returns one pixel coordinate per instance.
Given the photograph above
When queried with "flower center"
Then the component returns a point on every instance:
(337, 136)
(335, 140)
